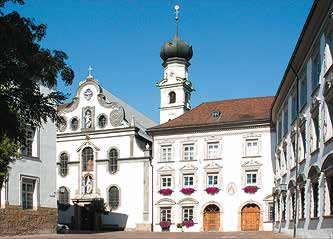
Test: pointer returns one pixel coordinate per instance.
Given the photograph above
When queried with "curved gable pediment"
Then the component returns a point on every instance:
(188, 167)
(165, 202)
(187, 201)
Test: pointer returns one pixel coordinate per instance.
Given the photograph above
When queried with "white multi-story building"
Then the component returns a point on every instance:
(28, 201)
(100, 157)
(212, 164)
(303, 115)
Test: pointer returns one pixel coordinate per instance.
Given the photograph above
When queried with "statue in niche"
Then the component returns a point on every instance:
(87, 184)
(87, 119)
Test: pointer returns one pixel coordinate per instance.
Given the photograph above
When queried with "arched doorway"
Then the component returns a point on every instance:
(211, 218)
(250, 217)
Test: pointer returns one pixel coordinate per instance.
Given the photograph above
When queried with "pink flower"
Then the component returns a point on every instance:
(188, 223)
(165, 191)
(212, 190)
(165, 224)
(187, 190)
(251, 189)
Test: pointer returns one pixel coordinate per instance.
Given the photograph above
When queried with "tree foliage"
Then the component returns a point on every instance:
(24, 67)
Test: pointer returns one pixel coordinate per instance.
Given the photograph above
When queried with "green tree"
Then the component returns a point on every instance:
(24, 67)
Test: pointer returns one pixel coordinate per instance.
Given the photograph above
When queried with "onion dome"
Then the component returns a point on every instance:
(176, 48)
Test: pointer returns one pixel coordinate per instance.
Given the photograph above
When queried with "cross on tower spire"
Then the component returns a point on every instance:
(89, 71)
(176, 18)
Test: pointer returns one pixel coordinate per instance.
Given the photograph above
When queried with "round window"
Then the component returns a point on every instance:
(62, 124)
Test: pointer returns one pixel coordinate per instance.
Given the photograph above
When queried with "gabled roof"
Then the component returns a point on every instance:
(246, 110)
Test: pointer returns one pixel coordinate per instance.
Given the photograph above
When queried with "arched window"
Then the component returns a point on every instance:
(113, 160)
(113, 197)
(63, 196)
(63, 164)
(172, 97)
(87, 159)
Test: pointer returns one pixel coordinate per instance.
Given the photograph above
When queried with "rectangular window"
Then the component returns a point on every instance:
(315, 71)
(27, 193)
(187, 213)
(303, 91)
(251, 178)
(165, 214)
(315, 119)
(212, 180)
(293, 106)
(213, 150)
(284, 198)
(252, 147)
(330, 109)
(285, 119)
(27, 151)
(303, 135)
(279, 132)
(165, 181)
(271, 212)
(188, 180)
(315, 198)
(293, 145)
(302, 199)
(188, 150)
(166, 153)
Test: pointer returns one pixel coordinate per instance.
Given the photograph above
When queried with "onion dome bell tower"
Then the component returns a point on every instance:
(175, 88)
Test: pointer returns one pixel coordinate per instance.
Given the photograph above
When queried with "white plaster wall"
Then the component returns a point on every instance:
(232, 159)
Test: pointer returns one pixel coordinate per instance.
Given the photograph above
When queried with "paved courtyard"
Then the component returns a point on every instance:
(172, 235)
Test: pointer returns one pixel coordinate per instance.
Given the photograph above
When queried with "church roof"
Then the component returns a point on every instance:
(223, 112)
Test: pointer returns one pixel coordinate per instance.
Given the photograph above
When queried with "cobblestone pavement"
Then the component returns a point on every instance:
(167, 235)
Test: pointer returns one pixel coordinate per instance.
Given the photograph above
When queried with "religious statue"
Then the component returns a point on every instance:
(87, 119)
(87, 185)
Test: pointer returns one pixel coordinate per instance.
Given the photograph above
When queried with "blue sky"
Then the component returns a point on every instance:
(241, 48)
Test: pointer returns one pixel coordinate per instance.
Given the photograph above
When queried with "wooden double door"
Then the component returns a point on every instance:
(250, 217)
(211, 218)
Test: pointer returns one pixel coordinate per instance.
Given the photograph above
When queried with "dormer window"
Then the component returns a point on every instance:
(216, 114)
(172, 97)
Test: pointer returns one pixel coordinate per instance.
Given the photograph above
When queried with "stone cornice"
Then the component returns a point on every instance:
(210, 127)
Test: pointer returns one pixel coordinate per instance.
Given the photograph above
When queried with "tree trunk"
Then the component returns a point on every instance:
(2, 179)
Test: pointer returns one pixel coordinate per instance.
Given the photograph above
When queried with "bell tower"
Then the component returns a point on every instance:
(175, 88)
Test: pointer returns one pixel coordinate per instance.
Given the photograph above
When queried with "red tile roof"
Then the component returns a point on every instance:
(232, 111)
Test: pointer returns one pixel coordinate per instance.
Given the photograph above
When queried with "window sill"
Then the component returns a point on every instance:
(301, 219)
(302, 161)
(165, 161)
(212, 159)
(328, 216)
(314, 218)
(252, 156)
(188, 160)
(315, 90)
(329, 140)
(315, 151)
(32, 158)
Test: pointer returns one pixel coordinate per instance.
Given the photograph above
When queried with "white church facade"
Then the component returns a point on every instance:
(100, 157)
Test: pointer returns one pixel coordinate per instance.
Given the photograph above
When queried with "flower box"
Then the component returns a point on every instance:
(212, 190)
(187, 191)
(165, 191)
(250, 189)
(165, 225)
(188, 223)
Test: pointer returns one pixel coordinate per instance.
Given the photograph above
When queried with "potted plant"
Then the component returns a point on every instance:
(165, 225)
(188, 223)
(180, 226)
(212, 190)
(165, 191)
(251, 189)
(187, 191)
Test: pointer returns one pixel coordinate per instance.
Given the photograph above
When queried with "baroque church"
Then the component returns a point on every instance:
(262, 163)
